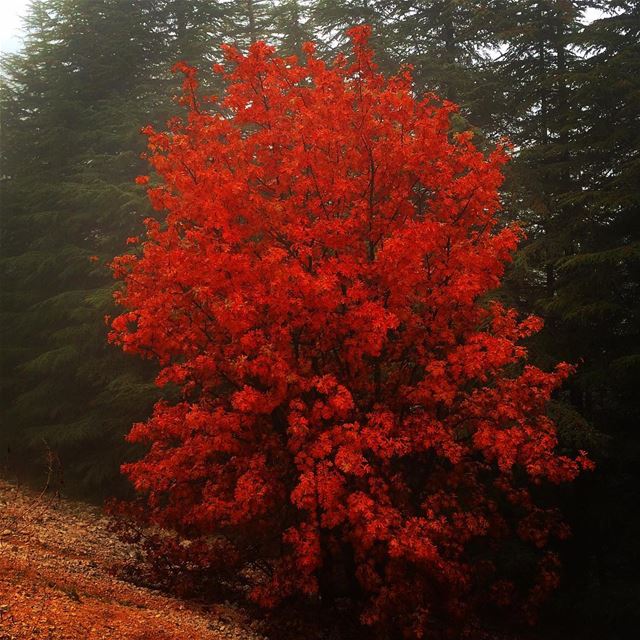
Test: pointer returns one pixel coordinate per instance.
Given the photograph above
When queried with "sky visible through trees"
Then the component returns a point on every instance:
(12, 31)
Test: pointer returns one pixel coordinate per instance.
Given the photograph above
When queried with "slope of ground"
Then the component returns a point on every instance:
(55, 581)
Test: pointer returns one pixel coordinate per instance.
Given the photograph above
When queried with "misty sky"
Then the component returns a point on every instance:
(10, 24)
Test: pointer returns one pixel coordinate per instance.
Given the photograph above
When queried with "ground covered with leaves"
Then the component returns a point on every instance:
(57, 581)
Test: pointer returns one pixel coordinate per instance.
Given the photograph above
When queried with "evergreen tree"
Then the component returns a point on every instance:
(598, 308)
(447, 42)
(569, 103)
(533, 83)
(598, 283)
(291, 26)
(332, 18)
(91, 74)
(569, 92)
(247, 21)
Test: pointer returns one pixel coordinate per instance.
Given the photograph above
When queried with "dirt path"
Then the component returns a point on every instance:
(55, 583)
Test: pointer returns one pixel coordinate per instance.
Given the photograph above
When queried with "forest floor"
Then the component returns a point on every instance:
(57, 583)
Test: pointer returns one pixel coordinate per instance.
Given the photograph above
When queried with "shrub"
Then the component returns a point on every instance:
(352, 403)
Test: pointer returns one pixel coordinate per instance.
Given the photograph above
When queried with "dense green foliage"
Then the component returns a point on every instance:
(565, 91)
(73, 103)
(571, 104)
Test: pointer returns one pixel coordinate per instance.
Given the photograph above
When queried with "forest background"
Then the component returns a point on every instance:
(559, 78)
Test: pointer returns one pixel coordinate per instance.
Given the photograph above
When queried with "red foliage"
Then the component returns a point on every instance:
(315, 291)
(194, 567)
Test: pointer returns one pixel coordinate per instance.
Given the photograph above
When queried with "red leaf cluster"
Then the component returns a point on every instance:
(315, 291)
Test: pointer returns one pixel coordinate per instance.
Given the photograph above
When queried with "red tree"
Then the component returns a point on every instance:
(316, 291)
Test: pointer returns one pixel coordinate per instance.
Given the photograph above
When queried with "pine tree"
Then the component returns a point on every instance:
(446, 41)
(569, 95)
(565, 94)
(91, 74)
(247, 21)
(533, 85)
(599, 281)
(291, 26)
(332, 18)
(597, 306)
